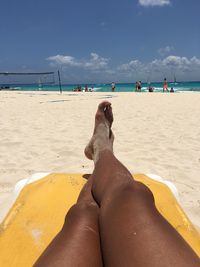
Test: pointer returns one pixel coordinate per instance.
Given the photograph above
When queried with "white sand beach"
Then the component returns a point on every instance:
(154, 133)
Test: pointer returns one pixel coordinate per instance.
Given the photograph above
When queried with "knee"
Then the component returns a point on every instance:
(80, 212)
(136, 191)
(142, 196)
(143, 191)
(82, 209)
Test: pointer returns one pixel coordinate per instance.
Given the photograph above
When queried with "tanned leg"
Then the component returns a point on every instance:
(132, 231)
(78, 243)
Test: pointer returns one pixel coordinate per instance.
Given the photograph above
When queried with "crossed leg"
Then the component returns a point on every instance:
(132, 231)
(78, 243)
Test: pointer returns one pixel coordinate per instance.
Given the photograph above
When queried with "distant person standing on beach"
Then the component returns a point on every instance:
(113, 86)
(165, 85)
(136, 86)
(86, 88)
(139, 86)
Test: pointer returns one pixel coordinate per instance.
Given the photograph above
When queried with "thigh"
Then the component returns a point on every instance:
(78, 242)
(134, 233)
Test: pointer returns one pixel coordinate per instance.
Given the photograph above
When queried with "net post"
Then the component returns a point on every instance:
(60, 86)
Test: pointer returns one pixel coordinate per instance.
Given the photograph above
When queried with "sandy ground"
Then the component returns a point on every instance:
(154, 133)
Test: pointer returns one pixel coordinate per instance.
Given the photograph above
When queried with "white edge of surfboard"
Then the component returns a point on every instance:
(37, 176)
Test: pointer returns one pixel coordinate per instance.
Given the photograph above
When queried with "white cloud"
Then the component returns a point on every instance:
(97, 68)
(158, 68)
(195, 61)
(63, 60)
(132, 65)
(95, 62)
(177, 62)
(163, 51)
(147, 3)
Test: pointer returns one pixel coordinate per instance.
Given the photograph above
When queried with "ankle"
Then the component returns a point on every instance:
(102, 152)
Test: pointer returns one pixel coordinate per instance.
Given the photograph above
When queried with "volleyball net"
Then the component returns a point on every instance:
(12, 80)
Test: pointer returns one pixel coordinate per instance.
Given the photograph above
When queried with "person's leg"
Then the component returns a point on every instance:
(132, 231)
(78, 243)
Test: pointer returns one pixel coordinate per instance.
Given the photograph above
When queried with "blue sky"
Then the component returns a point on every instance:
(102, 40)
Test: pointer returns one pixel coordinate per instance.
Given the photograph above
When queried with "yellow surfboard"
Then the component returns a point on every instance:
(39, 211)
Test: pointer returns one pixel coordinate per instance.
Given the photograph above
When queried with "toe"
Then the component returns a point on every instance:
(109, 115)
(103, 105)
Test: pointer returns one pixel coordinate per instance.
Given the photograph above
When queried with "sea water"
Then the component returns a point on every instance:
(106, 87)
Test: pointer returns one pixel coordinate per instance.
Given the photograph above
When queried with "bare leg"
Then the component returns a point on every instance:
(78, 243)
(133, 232)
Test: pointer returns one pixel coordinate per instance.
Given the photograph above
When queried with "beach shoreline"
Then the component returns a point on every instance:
(154, 133)
(181, 86)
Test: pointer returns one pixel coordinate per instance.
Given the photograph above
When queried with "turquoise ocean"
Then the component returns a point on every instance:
(120, 87)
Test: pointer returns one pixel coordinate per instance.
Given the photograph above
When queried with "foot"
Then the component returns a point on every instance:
(103, 137)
